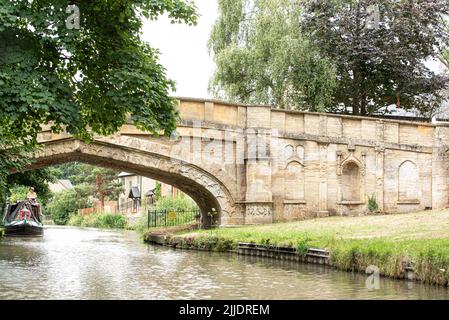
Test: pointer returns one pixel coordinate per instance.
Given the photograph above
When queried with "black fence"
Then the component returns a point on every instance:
(167, 218)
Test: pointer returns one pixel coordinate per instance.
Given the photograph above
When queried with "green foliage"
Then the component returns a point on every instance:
(323, 55)
(14, 155)
(99, 220)
(107, 185)
(417, 247)
(158, 191)
(175, 204)
(446, 57)
(379, 65)
(18, 193)
(303, 246)
(96, 181)
(73, 171)
(211, 243)
(262, 57)
(66, 203)
(89, 80)
(182, 206)
(373, 206)
(39, 179)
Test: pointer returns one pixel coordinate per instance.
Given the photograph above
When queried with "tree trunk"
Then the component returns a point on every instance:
(102, 197)
(101, 194)
(355, 105)
(363, 106)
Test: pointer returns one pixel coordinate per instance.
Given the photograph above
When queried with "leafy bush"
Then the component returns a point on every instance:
(303, 246)
(76, 220)
(141, 224)
(99, 220)
(65, 204)
(372, 204)
(175, 204)
(211, 243)
(18, 193)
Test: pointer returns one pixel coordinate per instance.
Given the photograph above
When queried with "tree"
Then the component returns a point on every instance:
(262, 57)
(65, 204)
(380, 48)
(158, 191)
(106, 185)
(18, 193)
(87, 80)
(96, 182)
(446, 58)
(13, 156)
(39, 179)
(76, 172)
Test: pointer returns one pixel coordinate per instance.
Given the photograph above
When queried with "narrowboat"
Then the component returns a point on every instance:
(23, 219)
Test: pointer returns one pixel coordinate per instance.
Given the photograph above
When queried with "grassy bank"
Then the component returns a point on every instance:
(389, 242)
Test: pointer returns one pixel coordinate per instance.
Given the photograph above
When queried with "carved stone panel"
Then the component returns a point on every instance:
(259, 213)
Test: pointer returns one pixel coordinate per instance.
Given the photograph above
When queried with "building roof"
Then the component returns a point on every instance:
(134, 193)
(125, 174)
(66, 184)
(150, 192)
(60, 185)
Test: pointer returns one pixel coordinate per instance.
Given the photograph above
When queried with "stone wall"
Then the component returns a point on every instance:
(323, 164)
(257, 164)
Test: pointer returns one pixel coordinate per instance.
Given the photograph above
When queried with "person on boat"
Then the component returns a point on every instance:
(32, 196)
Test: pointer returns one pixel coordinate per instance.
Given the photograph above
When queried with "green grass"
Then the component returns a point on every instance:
(355, 243)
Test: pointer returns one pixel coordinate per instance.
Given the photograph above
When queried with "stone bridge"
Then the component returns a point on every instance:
(250, 164)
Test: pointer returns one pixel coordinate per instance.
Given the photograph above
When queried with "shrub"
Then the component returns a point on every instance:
(112, 221)
(99, 220)
(18, 193)
(175, 204)
(303, 246)
(210, 243)
(65, 204)
(76, 220)
(372, 204)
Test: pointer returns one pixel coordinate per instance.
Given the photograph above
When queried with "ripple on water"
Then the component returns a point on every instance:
(71, 263)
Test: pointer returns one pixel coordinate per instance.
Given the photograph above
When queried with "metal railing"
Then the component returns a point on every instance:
(167, 218)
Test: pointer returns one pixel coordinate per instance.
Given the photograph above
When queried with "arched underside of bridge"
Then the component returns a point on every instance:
(205, 189)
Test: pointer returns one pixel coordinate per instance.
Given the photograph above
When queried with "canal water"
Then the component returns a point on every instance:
(71, 263)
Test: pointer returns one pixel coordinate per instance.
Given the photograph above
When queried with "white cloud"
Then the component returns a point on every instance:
(184, 50)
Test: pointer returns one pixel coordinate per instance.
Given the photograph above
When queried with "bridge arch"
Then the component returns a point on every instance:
(146, 158)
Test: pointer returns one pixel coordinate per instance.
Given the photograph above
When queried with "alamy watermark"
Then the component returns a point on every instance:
(373, 280)
(373, 17)
(230, 146)
(73, 21)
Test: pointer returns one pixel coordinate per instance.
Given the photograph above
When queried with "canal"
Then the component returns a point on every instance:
(71, 263)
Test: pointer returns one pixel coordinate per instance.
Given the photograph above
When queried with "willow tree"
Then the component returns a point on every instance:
(380, 49)
(445, 59)
(80, 65)
(262, 57)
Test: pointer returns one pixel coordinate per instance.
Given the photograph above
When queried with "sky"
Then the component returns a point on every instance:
(184, 50)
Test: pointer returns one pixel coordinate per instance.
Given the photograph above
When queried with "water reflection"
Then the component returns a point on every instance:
(70, 263)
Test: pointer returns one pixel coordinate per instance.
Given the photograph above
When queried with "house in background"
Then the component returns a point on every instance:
(60, 185)
(138, 190)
